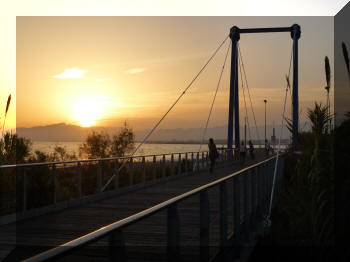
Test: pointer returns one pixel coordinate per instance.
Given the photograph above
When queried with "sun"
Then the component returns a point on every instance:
(87, 112)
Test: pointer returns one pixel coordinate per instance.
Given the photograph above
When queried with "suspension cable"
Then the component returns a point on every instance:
(245, 104)
(279, 144)
(213, 101)
(250, 99)
(167, 112)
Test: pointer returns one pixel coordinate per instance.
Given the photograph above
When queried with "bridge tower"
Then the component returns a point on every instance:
(234, 102)
(234, 97)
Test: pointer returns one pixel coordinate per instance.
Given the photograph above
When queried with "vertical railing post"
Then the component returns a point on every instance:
(172, 165)
(263, 189)
(143, 165)
(282, 168)
(179, 164)
(79, 174)
(154, 169)
(197, 162)
(173, 228)
(271, 169)
(246, 205)
(99, 176)
(53, 170)
(259, 191)
(223, 215)
(266, 188)
(270, 175)
(203, 161)
(117, 250)
(207, 159)
(192, 162)
(204, 226)
(24, 177)
(163, 167)
(131, 171)
(253, 173)
(186, 164)
(116, 173)
(236, 204)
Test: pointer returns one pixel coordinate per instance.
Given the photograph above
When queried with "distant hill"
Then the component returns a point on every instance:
(62, 132)
(219, 134)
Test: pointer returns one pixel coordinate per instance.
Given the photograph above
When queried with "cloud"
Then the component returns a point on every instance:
(71, 73)
(135, 70)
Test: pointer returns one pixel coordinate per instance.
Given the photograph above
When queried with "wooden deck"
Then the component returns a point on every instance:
(144, 240)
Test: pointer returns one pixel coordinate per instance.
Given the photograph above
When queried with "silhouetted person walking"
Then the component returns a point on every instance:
(242, 152)
(267, 147)
(213, 154)
(251, 150)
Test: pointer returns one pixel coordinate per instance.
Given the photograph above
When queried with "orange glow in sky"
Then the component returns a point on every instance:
(105, 70)
(87, 112)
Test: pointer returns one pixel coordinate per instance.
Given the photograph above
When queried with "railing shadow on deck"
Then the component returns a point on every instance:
(39, 188)
(248, 205)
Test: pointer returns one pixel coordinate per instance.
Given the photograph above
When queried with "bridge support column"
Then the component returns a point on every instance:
(233, 103)
(295, 34)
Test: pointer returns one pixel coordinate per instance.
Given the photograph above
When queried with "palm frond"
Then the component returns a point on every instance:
(288, 83)
(289, 124)
(318, 117)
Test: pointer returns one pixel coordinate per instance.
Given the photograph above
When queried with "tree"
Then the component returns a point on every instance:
(60, 154)
(124, 142)
(13, 149)
(97, 145)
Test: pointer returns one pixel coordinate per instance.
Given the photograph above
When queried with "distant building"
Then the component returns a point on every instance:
(273, 137)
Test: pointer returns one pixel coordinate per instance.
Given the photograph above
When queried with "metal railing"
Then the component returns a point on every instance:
(251, 190)
(80, 179)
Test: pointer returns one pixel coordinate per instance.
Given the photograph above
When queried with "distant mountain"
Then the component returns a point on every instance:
(219, 133)
(60, 132)
(65, 133)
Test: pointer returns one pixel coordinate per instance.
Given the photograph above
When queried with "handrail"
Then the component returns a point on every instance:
(103, 231)
(97, 159)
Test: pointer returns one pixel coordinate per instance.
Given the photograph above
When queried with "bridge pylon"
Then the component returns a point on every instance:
(234, 102)
(233, 118)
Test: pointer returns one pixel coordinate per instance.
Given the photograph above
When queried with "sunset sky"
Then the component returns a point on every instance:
(104, 70)
(133, 68)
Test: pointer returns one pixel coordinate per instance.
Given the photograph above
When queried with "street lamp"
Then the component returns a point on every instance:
(265, 101)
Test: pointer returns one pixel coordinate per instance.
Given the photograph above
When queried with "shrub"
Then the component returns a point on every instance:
(97, 145)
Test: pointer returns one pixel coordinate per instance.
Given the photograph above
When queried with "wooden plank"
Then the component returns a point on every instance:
(147, 235)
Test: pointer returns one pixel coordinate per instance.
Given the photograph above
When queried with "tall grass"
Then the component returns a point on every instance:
(328, 87)
(306, 199)
(6, 111)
